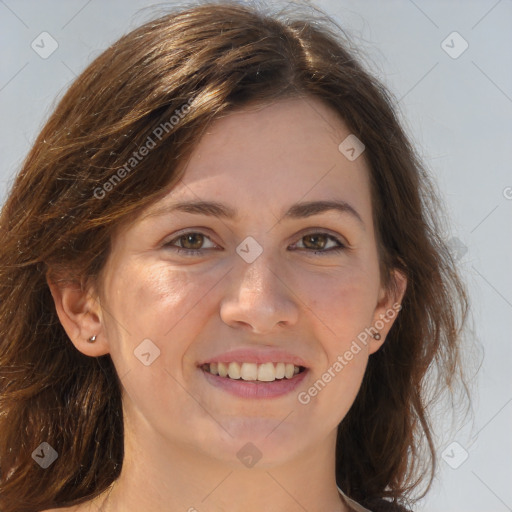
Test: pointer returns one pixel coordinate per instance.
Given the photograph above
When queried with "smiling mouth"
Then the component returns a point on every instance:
(265, 372)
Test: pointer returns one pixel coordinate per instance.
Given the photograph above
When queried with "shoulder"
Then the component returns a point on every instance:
(84, 507)
(90, 505)
(373, 505)
(385, 506)
(64, 509)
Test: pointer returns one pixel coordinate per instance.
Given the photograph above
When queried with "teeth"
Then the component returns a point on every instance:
(249, 371)
(222, 369)
(234, 371)
(266, 372)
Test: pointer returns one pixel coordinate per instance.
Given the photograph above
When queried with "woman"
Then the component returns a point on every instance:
(223, 284)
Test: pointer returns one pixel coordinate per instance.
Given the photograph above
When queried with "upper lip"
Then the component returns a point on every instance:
(251, 355)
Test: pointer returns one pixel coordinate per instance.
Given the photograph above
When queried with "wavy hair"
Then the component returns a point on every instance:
(60, 214)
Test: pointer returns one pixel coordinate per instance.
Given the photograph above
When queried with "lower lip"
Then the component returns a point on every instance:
(255, 389)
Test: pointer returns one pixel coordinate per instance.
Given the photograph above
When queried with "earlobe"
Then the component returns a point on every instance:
(79, 313)
(387, 310)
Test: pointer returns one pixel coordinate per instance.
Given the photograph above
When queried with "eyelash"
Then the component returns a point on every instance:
(196, 252)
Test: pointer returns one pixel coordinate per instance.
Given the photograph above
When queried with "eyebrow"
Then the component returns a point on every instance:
(295, 211)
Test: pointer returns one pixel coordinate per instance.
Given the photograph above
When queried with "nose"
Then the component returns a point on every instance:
(260, 298)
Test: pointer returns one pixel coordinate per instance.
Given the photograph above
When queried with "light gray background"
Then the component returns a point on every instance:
(459, 113)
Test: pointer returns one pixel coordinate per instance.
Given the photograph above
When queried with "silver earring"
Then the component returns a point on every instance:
(92, 339)
(376, 336)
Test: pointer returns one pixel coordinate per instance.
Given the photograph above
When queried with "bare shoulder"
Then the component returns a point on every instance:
(66, 509)
(76, 508)
(91, 505)
(83, 507)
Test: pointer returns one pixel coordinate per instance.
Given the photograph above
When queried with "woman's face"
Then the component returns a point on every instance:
(263, 276)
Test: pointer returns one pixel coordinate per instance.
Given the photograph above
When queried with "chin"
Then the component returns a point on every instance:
(265, 442)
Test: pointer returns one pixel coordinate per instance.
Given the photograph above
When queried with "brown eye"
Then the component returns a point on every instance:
(190, 244)
(318, 243)
(315, 241)
(191, 240)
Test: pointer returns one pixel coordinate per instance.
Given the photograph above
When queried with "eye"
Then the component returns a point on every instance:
(190, 243)
(318, 242)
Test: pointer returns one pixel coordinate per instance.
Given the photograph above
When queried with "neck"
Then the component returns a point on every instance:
(158, 475)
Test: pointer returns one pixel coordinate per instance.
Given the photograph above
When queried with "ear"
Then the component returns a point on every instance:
(388, 308)
(79, 312)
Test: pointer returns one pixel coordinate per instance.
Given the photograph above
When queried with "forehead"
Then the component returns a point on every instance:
(272, 156)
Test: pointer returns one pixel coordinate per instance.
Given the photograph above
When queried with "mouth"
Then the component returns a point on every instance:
(264, 372)
(249, 380)
(254, 373)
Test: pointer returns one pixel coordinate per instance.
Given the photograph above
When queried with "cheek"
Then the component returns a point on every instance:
(342, 306)
(156, 302)
(149, 291)
(163, 304)
(343, 300)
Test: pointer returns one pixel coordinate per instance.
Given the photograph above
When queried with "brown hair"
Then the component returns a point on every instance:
(70, 196)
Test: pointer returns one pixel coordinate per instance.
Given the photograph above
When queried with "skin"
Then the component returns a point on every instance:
(182, 434)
